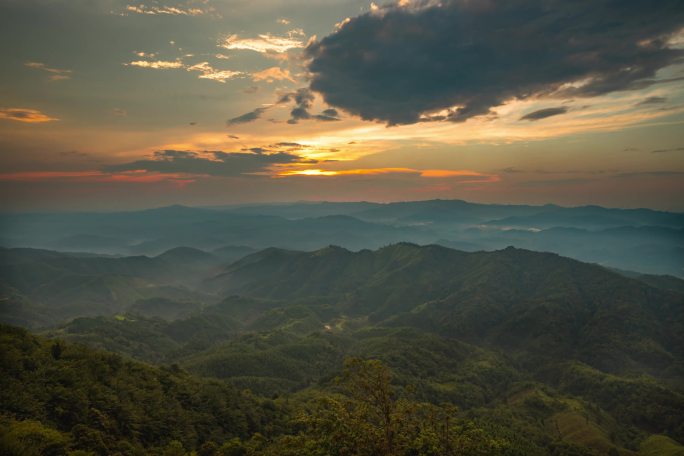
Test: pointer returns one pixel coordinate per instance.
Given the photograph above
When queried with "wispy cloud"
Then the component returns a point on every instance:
(168, 10)
(208, 163)
(25, 115)
(204, 68)
(266, 43)
(55, 74)
(157, 64)
(208, 72)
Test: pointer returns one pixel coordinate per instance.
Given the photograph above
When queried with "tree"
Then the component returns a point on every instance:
(32, 438)
(369, 382)
(375, 417)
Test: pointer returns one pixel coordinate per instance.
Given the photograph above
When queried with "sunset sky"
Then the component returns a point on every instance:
(123, 104)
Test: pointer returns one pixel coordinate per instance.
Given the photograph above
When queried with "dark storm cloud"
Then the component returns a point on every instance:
(544, 113)
(213, 163)
(400, 63)
(248, 117)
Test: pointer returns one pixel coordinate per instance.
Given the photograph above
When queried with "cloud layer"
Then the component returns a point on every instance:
(25, 115)
(211, 163)
(456, 59)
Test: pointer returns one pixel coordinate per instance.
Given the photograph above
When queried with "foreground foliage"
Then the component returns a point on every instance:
(59, 398)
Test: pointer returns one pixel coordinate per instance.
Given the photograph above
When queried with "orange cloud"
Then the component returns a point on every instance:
(427, 173)
(273, 74)
(25, 115)
(346, 172)
(209, 72)
(449, 173)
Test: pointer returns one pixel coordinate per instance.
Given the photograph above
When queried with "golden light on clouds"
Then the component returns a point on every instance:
(426, 173)
(265, 42)
(169, 10)
(157, 64)
(603, 114)
(183, 81)
(25, 115)
(306, 172)
(209, 72)
(273, 74)
(440, 173)
(204, 68)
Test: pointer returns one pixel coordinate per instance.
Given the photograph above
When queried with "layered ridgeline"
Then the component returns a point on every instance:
(41, 287)
(539, 354)
(632, 239)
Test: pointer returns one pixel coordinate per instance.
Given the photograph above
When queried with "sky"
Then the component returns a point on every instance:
(127, 104)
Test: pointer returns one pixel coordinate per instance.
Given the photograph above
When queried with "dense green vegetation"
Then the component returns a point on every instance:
(62, 396)
(59, 398)
(406, 350)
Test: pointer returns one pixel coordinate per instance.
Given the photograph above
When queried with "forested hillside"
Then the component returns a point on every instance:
(530, 353)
